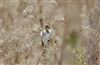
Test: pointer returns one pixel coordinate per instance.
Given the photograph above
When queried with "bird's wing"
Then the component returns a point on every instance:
(41, 33)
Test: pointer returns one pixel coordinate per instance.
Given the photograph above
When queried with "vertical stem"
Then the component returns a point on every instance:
(40, 14)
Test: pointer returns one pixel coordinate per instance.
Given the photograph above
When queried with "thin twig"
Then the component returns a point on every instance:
(40, 57)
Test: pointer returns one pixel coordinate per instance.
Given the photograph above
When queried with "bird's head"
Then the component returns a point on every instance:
(47, 28)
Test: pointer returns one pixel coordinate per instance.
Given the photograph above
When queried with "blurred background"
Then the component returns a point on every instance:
(76, 25)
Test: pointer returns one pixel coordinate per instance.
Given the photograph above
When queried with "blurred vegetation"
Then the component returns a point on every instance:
(73, 39)
(79, 56)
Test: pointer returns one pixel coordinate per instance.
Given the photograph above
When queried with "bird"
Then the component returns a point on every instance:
(46, 36)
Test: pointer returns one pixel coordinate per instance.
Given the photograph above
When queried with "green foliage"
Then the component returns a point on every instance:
(79, 56)
(73, 39)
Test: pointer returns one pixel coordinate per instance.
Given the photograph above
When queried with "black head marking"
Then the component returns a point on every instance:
(47, 28)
